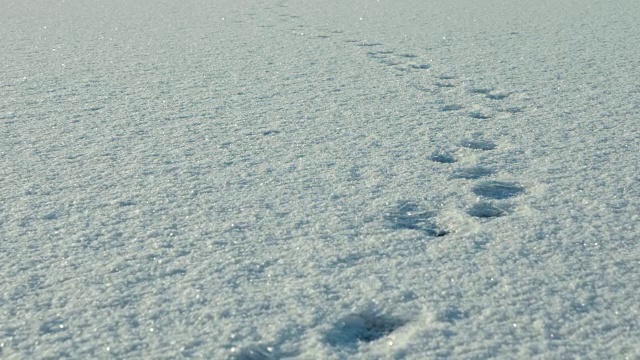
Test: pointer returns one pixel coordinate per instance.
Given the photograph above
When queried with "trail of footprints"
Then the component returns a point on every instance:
(475, 102)
(486, 103)
(347, 333)
(482, 102)
(491, 192)
(493, 195)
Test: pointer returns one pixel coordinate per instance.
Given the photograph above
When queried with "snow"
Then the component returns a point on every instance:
(319, 180)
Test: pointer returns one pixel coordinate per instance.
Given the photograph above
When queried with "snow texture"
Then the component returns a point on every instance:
(364, 179)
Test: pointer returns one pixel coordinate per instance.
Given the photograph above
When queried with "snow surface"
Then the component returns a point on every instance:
(319, 179)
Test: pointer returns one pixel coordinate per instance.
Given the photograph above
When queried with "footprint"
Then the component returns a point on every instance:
(443, 156)
(420, 66)
(512, 110)
(409, 216)
(444, 84)
(497, 95)
(358, 328)
(471, 173)
(368, 44)
(494, 189)
(408, 56)
(480, 113)
(486, 210)
(446, 77)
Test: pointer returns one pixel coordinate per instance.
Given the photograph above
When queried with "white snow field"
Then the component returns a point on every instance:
(363, 179)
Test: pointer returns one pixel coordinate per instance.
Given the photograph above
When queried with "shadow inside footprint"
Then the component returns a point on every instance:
(486, 210)
(479, 115)
(443, 156)
(354, 329)
(498, 189)
(475, 172)
(497, 95)
(410, 216)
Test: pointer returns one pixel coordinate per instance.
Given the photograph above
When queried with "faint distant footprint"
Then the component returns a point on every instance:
(479, 102)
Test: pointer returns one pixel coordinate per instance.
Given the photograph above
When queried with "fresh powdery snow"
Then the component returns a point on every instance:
(296, 179)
